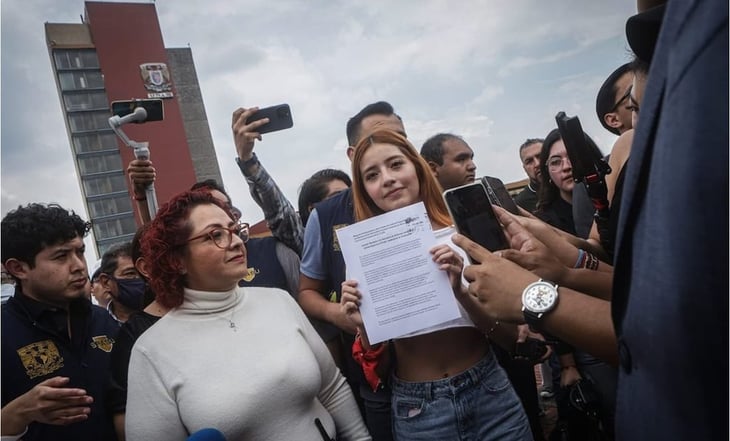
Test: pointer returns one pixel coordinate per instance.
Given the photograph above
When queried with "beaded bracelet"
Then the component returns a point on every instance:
(591, 262)
(581, 259)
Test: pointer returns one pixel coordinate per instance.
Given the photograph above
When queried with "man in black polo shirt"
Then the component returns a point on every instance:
(55, 343)
(530, 159)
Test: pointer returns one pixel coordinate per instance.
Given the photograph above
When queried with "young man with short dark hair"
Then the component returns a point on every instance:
(56, 345)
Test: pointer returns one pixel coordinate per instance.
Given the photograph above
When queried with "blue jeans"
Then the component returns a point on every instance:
(476, 405)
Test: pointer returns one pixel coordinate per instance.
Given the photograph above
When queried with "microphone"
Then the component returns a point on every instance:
(138, 116)
(207, 434)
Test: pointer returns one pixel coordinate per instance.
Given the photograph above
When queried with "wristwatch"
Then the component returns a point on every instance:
(538, 299)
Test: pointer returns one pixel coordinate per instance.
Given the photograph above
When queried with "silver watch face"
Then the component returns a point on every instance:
(540, 296)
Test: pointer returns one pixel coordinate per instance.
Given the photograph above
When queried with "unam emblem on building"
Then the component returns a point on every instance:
(156, 80)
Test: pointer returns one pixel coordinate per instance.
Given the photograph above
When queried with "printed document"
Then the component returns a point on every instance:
(403, 290)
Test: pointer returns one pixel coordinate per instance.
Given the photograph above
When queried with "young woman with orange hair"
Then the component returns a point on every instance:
(446, 383)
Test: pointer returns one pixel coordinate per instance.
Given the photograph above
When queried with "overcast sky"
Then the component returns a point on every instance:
(495, 72)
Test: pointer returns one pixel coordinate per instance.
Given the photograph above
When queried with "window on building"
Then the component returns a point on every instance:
(105, 245)
(76, 59)
(111, 161)
(115, 227)
(88, 100)
(94, 142)
(98, 185)
(87, 121)
(110, 206)
(79, 80)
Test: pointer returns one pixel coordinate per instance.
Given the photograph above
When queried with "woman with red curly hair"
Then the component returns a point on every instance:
(245, 361)
(446, 382)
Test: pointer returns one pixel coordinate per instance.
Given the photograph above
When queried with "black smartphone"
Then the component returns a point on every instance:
(499, 195)
(531, 350)
(153, 107)
(473, 216)
(279, 118)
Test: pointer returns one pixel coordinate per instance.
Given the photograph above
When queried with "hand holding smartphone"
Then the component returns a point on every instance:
(531, 350)
(499, 195)
(279, 118)
(473, 216)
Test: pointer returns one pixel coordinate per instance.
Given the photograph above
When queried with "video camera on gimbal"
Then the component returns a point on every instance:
(137, 111)
(589, 166)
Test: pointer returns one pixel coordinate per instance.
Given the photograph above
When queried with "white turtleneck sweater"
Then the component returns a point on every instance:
(266, 379)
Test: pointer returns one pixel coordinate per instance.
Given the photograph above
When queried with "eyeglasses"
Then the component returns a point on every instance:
(633, 105)
(556, 162)
(222, 236)
(623, 98)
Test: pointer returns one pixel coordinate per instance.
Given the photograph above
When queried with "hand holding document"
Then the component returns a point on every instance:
(403, 290)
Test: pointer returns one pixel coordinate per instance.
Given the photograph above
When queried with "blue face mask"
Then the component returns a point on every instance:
(130, 292)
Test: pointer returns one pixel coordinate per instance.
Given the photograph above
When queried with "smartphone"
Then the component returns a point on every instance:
(153, 107)
(473, 216)
(279, 118)
(499, 195)
(531, 350)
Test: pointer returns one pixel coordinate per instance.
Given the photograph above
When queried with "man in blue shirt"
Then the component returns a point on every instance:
(323, 271)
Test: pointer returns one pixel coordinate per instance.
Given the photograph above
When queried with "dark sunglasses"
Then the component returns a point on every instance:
(623, 98)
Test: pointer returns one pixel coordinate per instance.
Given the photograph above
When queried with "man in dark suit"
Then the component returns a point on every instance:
(670, 301)
(670, 286)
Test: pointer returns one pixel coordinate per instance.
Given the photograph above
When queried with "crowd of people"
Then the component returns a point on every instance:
(202, 329)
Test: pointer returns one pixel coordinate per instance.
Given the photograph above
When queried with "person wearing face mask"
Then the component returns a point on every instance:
(138, 322)
(121, 280)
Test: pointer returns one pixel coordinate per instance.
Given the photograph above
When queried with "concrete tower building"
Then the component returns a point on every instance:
(117, 53)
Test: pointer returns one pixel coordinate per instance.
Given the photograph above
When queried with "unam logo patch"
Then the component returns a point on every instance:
(40, 358)
(335, 242)
(250, 274)
(102, 342)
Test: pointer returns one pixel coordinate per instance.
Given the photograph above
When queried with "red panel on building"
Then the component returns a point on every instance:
(127, 35)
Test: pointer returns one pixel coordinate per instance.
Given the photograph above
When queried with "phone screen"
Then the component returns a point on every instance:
(153, 107)
(473, 216)
(499, 194)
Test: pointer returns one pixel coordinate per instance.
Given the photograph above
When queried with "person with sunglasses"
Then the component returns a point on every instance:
(613, 109)
(612, 102)
(243, 360)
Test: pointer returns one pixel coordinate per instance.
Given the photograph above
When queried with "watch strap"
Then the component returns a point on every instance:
(532, 318)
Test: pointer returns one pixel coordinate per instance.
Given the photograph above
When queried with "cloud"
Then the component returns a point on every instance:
(491, 70)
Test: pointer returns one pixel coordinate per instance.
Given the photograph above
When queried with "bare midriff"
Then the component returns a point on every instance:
(440, 354)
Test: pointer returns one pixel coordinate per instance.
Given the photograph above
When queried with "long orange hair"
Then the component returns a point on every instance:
(429, 188)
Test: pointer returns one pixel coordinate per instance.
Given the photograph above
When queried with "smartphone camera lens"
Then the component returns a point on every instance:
(283, 112)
